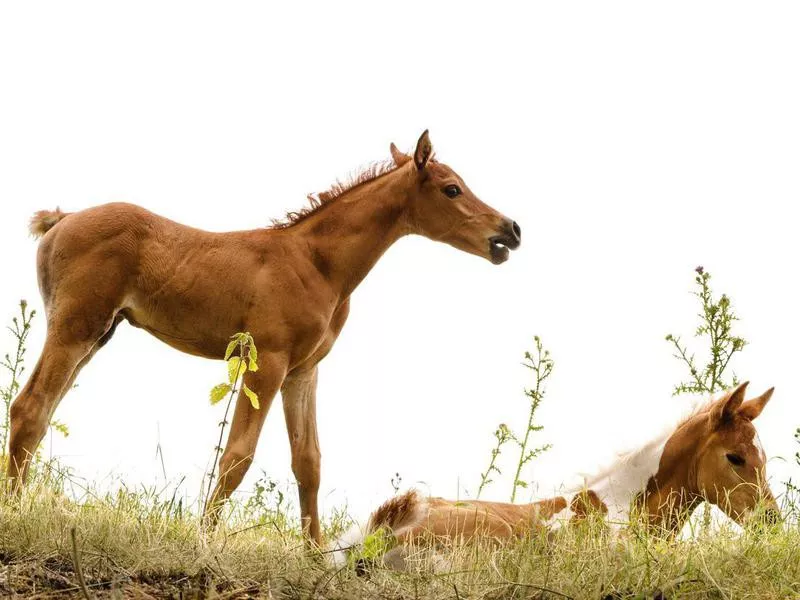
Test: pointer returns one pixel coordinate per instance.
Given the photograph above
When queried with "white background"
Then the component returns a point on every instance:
(631, 141)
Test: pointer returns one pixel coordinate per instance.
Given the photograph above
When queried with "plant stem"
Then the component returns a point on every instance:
(218, 448)
(502, 436)
(542, 366)
(20, 330)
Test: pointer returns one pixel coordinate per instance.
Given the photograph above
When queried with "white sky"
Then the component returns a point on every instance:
(631, 141)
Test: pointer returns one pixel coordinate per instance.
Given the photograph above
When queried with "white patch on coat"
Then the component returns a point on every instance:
(618, 488)
(340, 549)
(760, 447)
(620, 482)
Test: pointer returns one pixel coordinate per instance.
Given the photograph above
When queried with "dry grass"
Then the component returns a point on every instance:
(138, 545)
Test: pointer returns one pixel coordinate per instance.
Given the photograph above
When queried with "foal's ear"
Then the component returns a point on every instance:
(400, 158)
(423, 151)
(731, 404)
(753, 407)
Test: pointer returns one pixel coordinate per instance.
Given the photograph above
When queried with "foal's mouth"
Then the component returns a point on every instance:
(499, 245)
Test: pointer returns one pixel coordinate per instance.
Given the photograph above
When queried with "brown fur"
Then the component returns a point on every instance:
(288, 286)
(694, 465)
(395, 512)
(586, 503)
(411, 517)
(44, 220)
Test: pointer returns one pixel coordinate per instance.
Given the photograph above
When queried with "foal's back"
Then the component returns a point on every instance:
(189, 287)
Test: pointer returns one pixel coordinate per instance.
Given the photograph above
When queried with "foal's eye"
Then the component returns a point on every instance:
(451, 191)
(735, 459)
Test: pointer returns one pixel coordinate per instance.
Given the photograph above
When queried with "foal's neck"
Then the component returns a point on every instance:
(620, 486)
(347, 237)
(656, 479)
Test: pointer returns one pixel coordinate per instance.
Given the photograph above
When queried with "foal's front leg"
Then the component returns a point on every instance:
(300, 409)
(245, 429)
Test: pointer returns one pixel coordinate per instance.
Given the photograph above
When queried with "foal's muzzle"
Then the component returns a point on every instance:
(509, 239)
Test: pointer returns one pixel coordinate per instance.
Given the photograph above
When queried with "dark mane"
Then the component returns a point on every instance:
(317, 201)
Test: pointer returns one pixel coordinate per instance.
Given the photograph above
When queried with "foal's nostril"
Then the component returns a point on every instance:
(516, 230)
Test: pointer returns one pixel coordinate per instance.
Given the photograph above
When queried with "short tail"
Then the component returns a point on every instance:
(393, 515)
(396, 512)
(44, 220)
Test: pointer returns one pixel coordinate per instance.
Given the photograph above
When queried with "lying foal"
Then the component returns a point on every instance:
(714, 454)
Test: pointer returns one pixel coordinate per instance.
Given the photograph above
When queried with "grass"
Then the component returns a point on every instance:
(141, 544)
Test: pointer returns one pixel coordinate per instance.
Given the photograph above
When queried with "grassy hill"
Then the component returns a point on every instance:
(139, 545)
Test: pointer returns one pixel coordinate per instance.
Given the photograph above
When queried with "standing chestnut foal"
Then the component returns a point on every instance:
(288, 285)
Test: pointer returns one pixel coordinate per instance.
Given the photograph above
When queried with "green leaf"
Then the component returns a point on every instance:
(231, 347)
(218, 392)
(60, 427)
(236, 368)
(252, 396)
(375, 544)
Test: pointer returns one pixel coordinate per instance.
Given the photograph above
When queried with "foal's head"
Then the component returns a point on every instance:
(443, 208)
(724, 460)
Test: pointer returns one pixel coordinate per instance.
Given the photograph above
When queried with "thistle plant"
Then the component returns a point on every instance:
(501, 436)
(14, 365)
(541, 364)
(241, 356)
(716, 329)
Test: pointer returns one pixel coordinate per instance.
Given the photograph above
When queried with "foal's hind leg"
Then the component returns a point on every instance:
(54, 374)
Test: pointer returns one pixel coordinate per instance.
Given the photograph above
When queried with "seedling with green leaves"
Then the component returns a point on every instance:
(241, 356)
